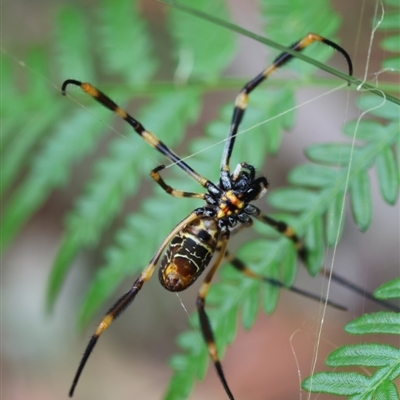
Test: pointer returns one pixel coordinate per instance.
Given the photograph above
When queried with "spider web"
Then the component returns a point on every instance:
(312, 325)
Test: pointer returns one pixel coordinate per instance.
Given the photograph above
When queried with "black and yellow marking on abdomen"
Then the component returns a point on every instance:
(188, 254)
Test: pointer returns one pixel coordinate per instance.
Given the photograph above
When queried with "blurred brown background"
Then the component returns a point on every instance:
(39, 354)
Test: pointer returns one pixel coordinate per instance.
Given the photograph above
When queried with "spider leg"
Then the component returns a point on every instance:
(287, 231)
(173, 192)
(146, 135)
(122, 303)
(204, 320)
(359, 290)
(242, 267)
(242, 98)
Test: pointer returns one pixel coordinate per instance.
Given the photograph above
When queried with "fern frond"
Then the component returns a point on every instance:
(380, 322)
(24, 124)
(50, 168)
(116, 42)
(331, 185)
(125, 47)
(390, 290)
(383, 357)
(391, 42)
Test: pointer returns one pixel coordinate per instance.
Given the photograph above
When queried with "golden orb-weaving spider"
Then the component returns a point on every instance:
(187, 250)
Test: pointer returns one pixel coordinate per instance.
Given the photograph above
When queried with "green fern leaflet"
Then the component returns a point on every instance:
(383, 357)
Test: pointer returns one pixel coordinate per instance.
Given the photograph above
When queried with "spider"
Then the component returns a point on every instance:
(188, 249)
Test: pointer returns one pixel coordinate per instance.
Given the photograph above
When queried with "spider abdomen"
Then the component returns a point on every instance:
(188, 254)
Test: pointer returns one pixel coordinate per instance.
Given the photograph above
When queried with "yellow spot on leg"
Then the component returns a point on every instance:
(150, 138)
(89, 89)
(104, 324)
(248, 272)
(289, 232)
(268, 71)
(204, 290)
(120, 112)
(309, 39)
(212, 350)
(241, 100)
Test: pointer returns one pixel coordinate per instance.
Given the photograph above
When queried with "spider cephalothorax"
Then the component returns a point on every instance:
(190, 246)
